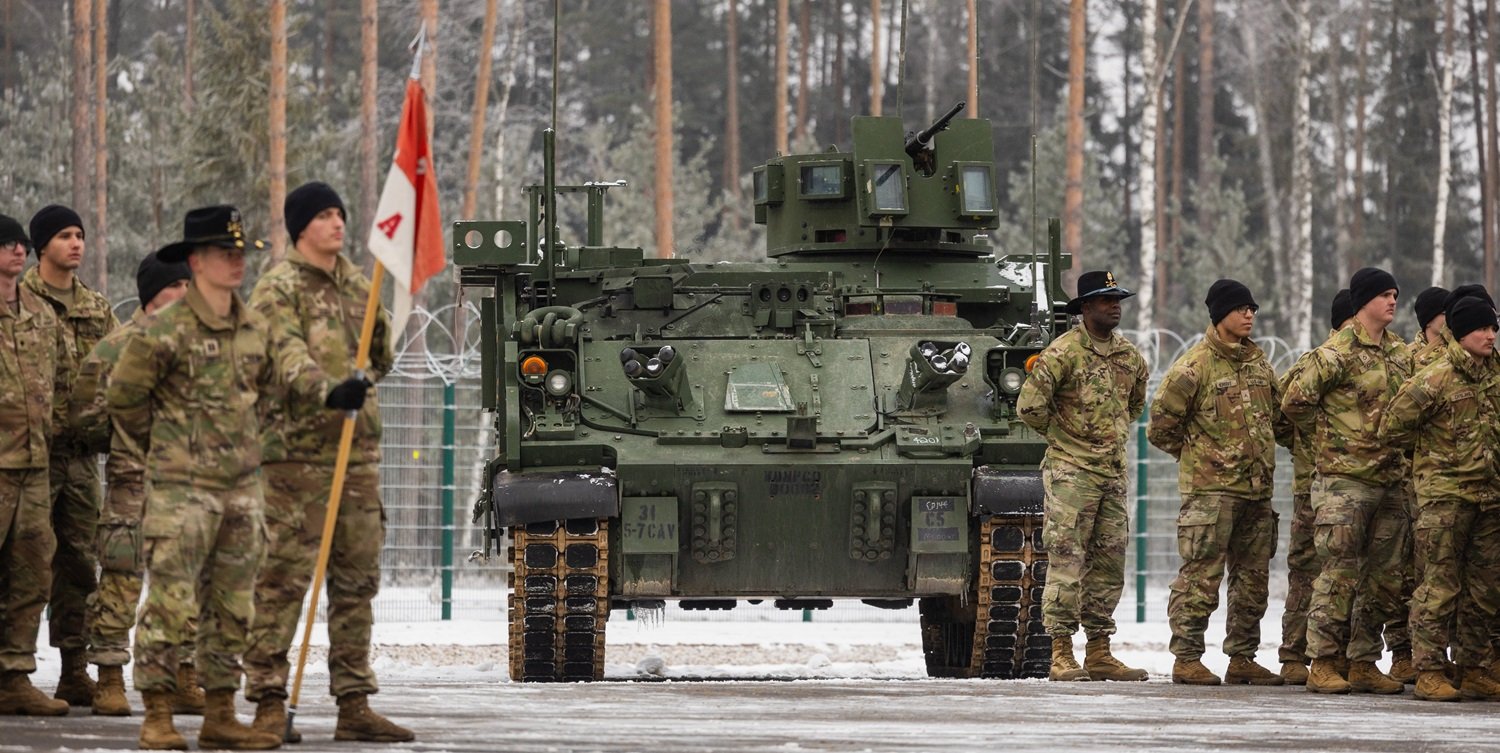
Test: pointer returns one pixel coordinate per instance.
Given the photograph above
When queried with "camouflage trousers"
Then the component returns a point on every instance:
(1302, 568)
(75, 518)
(1457, 602)
(25, 572)
(202, 550)
(1215, 532)
(112, 606)
(296, 507)
(1085, 531)
(1359, 534)
(1398, 630)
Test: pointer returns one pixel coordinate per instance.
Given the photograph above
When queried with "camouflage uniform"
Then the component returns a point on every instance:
(1302, 562)
(1218, 412)
(1447, 413)
(1083, 395)
(29, 343)
(1360, 496)
(315, 317)
(73, 470)
(112, 607)
(185, 388)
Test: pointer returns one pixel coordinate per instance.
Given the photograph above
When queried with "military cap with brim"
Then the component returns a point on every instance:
(218, 225)
(1097, 284)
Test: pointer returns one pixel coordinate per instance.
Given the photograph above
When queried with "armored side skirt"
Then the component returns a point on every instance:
(535, 497)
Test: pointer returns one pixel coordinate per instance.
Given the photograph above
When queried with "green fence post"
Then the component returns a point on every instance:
(1141, 450)
(450, 411)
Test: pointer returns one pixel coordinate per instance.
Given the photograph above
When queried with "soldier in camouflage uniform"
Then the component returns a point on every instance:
(1448, 414)
(1085, 391)
(1360, 501)
(185, 388)
(1302, 562)
(1218, 412)
(86, 318)
(30, 338)
(314, 300)
(111, 608)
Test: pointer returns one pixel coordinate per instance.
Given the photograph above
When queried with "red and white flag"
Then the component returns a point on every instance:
(407, 238)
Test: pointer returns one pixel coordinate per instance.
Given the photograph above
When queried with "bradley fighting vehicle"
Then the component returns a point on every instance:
(837, 422)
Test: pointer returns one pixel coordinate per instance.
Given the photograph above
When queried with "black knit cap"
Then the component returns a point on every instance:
(11, 230)
(1368, 283)
(1430, 303)
(1341, 311)
(154, 275)
(1465, 291)
(305, 202)
(1468, 314)
(49, 221)
(1225, 296)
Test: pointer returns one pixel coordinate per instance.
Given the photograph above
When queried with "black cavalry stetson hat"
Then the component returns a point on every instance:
(218, 225)
(1096, 284)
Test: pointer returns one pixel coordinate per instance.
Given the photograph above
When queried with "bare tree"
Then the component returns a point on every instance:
(804, 39)
(1445, 140)
(662, 55)
(1271, 201)
(1149, 190)
(876, 74)
(1206, 90)
(277, 166)
(779, 110)
(517, 25)
(1486, 210)
(1072, 240)
(1337, 118)
(98, 258)
(1167, 264)
(369, 87)
(1361, 82)
(732, 110)
(481, 104)
(1299, 281)
(81, 115)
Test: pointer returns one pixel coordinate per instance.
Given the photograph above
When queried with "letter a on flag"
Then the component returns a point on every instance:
(407, 237)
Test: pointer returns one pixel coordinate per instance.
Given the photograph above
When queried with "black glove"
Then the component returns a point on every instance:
(349, 395)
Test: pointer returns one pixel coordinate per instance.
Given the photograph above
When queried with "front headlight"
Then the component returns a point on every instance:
(1011, 380)
(559, 383)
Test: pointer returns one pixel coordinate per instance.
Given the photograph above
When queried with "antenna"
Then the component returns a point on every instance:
(549, 159)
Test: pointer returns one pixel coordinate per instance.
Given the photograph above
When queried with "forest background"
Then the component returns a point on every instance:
(1282, 142)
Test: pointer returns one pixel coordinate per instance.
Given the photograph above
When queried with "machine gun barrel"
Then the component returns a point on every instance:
(923, 137)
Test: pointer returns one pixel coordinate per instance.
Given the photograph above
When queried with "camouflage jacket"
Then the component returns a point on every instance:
(1083, 397)
(314, 320)
(1338, 398)
(88, 412)
(1302, 446)
(84, 325)
(29, 343)
(185, 389)
(1448, 414)
(1218, 411)
(1424, 353)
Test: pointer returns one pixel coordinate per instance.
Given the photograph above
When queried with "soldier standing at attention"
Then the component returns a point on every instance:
(314, 300)
(1218, 412)
(1361, 494)
(1448, 413)
(29, 340)
(86, 318)
(1301, 555)
(185, 388)
(1428, 345)
(111, 608)
(1085, 391)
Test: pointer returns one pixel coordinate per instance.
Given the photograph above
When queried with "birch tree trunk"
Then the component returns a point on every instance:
(98, 257)
(1485, 208)
(779, 109)
(1361, 76)
(481, 106)
(1492, 138)
(1445, 139)
(1149, 115)
(662, 57)
(1072, 240)
(973, 60)
(1340, 152)
(1169, 262)
(277, 166)
(1299, 309)
(369, 87)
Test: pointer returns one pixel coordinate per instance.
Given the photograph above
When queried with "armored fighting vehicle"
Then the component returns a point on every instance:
(837, 422)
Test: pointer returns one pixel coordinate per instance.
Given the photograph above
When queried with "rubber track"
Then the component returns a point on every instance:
(559, 601)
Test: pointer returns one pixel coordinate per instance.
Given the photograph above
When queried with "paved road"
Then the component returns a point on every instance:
(857, 715)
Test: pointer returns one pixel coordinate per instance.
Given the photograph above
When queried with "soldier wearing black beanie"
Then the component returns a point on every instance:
(1429, 305)
(1470, 314)
(305, 202)
(1341, 311)
(1367, 284)
(1225, 296)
